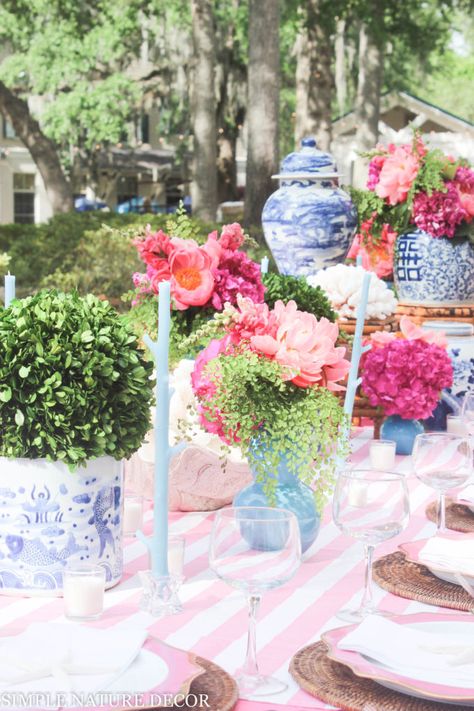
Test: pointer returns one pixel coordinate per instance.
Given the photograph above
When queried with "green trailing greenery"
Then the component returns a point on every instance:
(73, 383)
(308, 298)
(253, 404)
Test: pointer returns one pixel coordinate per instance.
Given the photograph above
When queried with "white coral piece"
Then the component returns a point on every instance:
(343, 286)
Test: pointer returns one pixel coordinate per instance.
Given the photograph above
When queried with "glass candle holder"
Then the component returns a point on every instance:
(382, 454)
(83, 591)
(160, 595)
(132, 514)
(456, 425)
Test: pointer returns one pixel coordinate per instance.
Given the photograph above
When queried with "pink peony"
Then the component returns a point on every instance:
(236, 274)
(405, 377)
(413, 332)
(397, 175)
(375, 166)
(251, 319)
(464, 183)
(154, 249)
(439, 213)
(377, 255)
(192, 281)
(304, 347)
(232, 236)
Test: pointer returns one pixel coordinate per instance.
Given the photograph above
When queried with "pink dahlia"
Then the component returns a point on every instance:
(439, 213)
(236, 274)
(397, 175)
(405, 377)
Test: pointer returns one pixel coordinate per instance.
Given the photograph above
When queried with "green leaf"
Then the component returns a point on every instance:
(19, 418)
(6, 394)
(24, 371)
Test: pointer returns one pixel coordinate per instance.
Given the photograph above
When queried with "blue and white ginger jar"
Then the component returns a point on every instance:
(433, 269)
(309, 222)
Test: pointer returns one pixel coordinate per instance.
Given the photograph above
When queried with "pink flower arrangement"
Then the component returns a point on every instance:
(405, 375)
(410, 185)
(303, 347)
(206, 276)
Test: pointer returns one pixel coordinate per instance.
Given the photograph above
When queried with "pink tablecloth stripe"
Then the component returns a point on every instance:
(214, 620)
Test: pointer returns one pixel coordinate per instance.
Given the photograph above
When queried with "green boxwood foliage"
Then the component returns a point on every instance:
(308, 298)
(73, 383)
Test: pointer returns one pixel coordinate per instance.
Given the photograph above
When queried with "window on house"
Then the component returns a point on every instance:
(8, 130)
(24, 198)
(127, 188)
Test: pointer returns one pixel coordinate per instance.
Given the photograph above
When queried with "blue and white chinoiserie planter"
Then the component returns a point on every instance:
(309, 222)
(460, 337)
(51, 517)
(433, 269)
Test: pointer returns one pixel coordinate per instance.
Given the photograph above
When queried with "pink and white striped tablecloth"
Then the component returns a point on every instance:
(214, 621)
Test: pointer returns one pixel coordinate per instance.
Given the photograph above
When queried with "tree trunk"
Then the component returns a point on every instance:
(263, 106)
(41, 148)
(340, 66)
(203, 107)
(368, 90)
(314, 58)
(226, 168)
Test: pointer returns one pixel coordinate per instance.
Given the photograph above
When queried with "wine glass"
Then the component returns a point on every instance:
(442, 461)
(255, 549)
(372, 506)
(467, 413)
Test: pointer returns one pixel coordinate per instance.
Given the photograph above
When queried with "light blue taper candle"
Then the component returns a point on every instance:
(357, 348)
(9, 289)
(158, 543)
(359, 260)
(264, 265)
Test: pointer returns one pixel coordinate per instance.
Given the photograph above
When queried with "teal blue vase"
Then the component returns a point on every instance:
(290, 494)
(401, 431)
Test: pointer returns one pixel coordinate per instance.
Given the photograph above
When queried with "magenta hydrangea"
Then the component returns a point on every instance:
(439, 213)
(406, 377)
(236, 274)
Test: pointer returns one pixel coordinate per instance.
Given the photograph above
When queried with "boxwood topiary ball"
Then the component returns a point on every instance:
(74, 384)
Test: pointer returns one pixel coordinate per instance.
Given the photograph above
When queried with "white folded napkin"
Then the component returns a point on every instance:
(451, 554)
(445, 657)
(467, 494)
(61, 658)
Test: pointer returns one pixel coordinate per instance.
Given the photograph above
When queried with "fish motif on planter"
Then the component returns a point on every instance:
(34, 552)
(41, 507)
(107, 498)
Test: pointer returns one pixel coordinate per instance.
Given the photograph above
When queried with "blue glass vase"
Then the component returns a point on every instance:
(401, 431)
(291, 494)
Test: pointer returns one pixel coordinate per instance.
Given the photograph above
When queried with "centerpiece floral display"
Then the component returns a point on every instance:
(203, 276)
(269, 386)
(404, 374)
(412, 190)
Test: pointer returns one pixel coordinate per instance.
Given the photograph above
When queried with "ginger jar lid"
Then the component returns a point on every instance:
(308, 162)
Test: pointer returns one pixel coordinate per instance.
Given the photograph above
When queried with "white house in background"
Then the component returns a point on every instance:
(23, 196)
(400, 112)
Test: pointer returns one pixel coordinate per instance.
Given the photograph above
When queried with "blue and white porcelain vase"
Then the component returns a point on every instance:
(290, 494)
(433, 269)
(309, 222)
(460, 337)
(51, 517)
(402, 432)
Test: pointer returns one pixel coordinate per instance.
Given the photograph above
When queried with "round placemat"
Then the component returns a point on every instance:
(335, 684)
(458, 517)
(404, 578)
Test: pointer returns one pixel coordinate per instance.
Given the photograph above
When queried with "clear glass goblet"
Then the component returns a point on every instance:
(467, 413)
(442, 461)
(255, 549)
(372, 506)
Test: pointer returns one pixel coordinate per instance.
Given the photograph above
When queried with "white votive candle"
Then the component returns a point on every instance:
(83, 591)
(132, 515)
(382, 454)
(456, 425)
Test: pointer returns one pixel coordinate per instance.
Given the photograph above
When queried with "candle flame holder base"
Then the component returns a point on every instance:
(160, 594)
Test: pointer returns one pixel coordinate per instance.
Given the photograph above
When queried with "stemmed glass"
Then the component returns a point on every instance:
(255, 549)
(442, 461)
(372, 506)
(467, 413)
